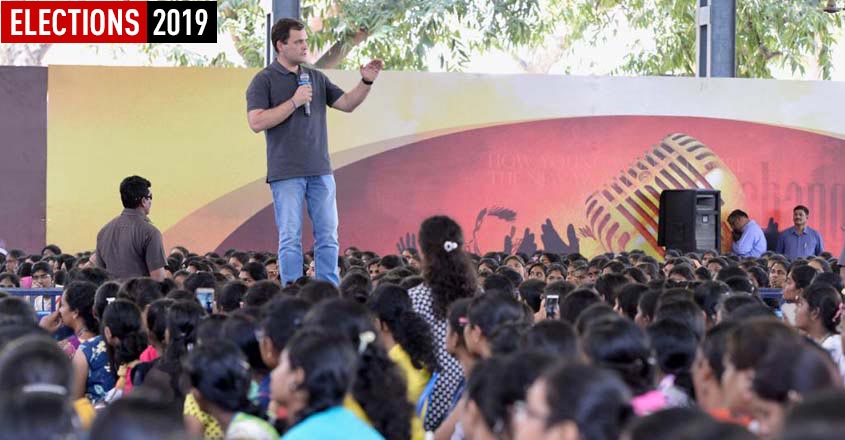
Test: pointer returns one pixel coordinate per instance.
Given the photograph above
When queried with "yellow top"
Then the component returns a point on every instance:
(85, 411)
(417, 379)
(352, 405)
(349, 402)
(211, 429)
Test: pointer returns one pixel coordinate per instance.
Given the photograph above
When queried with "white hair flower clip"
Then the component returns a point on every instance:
(364, 339)
(450, 246)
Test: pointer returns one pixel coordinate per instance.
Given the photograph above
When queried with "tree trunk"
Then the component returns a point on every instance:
(340, 49)
(542, 60)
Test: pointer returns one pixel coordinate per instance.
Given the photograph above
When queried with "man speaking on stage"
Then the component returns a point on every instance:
(288, 101)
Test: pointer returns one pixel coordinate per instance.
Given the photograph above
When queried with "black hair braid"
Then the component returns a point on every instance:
(381, 391)
(130, 347)
(413, 334)
(450, 279)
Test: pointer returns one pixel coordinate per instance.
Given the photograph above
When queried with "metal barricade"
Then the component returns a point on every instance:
(772, 294)
(44, 301)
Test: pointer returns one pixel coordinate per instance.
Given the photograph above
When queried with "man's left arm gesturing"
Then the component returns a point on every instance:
(353, 98)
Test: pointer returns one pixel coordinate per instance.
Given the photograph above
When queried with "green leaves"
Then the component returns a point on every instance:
(782, 34)
(404, 32)
(408, 34)
(242, 20)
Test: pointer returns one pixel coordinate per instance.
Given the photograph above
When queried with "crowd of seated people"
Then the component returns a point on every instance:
(433, 342)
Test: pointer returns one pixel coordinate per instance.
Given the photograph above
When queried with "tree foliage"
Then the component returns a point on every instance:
(345, 33)
(242, 20)
(408, 34)
(770, 34)
(404, 32)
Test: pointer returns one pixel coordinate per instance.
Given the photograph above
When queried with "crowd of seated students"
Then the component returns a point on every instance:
(432, 342)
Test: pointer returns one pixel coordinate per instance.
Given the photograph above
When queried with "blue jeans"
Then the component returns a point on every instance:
(288, 196)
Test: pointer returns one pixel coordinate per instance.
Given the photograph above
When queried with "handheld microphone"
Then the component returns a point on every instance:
(305, 80)
(623, 214)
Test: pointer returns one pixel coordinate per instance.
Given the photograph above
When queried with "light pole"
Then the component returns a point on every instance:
(278, 9)
(716, 38)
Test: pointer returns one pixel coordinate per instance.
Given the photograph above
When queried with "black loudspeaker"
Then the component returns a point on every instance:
(690, 220)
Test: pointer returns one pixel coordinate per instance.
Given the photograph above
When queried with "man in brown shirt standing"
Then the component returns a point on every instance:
(130, 246)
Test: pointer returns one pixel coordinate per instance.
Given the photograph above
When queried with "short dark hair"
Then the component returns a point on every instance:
(531, 292)
(261, 292)
(94, 275)
(17, 309)
(511, 274)
(132, 190)
(498, 282)
(57, 251)
(741, 284)
(137, 416)
(356, 285)
(728, 272)
(391, 261)
(595, 399)
(554, 337)
(614, 266)
(243, 257)
(609, 285)
(629, 298)
(316, 291)
(17, 254)
(230, 295)
(648, 303)
(256, 271)
(714, 344)
(802, 208)
(575, 302)
(737, 213)
(685, 312)
(199, 280)
(37, 414)
(282, 318)
(802, 275)
(42, 266)
(281, 30)
(492, 309)
(819, 416)
(141, 290)
(12, 277)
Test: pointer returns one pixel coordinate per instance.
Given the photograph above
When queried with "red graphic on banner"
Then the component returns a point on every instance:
(539, 185)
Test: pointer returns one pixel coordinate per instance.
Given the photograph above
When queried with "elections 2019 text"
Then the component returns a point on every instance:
(108, 22)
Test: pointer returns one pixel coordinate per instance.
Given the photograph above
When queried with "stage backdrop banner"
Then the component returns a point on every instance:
(522, 161)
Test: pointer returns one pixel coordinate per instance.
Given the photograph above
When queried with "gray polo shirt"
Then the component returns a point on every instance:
(130, 246)
(298, 147)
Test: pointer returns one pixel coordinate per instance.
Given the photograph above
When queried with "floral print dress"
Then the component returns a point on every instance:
(100, 377)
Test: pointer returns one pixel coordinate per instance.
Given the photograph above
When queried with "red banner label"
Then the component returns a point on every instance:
(107, 22)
